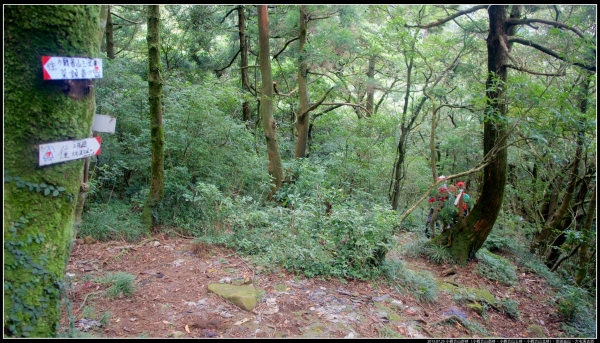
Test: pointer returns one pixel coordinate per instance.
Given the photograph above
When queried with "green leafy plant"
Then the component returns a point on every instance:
(89, 312)
(423, 247)
(118, 283)
(532, 262)
(510, 307)
(351, 242)
(113, 220)
(495, 267)
(422, 285)
(41, 188)
(105, 318)
(578, 307)
(18, 255)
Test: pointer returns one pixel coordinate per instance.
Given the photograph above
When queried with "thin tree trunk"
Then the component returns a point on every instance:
(303, 113)
(370, 86)
(157, 183)
(584, 255)
(110, 45)
(266, 102)
(244, 62)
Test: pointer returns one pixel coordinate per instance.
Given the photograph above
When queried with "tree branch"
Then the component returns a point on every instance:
(231, 62)
(327, 110)
(285, 46)
(228, 13)
(514, 21)
(127, 20)
(547, 51)
(507, 51)
(315, 105)
(561, 73)
(468, 172)
(448, 18)
(564, 258)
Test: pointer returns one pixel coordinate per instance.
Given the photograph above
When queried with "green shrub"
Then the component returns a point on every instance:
(579, 309)
(422, 285)
(533, 263)
(497, 243)
(423, 247)
(496, 267)
(351, 242)
(112, 221)
(510, 307)
(105, 318)
(118, 283)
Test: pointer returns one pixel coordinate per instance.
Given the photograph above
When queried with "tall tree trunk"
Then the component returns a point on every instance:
(110, 45)
(266, 102)
(244, 62)
(38, 227)
(469, 235)
(370, 86)
(303, 113)
(584, 254)
(157, 183)
(398, 174)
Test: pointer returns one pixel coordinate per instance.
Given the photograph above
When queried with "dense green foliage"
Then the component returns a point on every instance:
(428, 87)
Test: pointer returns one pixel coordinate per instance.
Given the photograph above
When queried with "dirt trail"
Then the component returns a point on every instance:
(172, 300)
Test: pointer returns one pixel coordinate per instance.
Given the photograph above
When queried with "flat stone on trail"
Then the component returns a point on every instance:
(244, 297)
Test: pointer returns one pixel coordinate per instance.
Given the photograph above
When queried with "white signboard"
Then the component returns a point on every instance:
(68, 150)
(71, 68)
(104, 123)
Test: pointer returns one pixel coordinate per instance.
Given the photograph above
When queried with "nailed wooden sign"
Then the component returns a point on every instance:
(71, 68)
(68, 150)
(104, 123)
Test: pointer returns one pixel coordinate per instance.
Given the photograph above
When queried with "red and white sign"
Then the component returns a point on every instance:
(68, 150)
(71, 68)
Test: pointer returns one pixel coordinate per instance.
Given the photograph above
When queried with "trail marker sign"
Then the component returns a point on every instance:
(104, 123)
(68, 150)
(71, 68)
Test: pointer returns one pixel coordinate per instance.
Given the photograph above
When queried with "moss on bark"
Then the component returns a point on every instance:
(37, 112)
(157, 185)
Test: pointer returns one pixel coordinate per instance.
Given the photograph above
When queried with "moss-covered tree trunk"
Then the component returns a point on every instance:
(266, 102)
(38, 225)
(469, 235)
(303, 113)
(157, 182)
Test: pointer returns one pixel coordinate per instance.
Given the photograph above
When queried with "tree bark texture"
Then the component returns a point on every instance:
(398, 174)
(584, 254)
(155, 82)
(38, 226)
(266, 102)
(244, 62)
(370, 86)
(303, 113)
(110, 45)
(469, 235)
